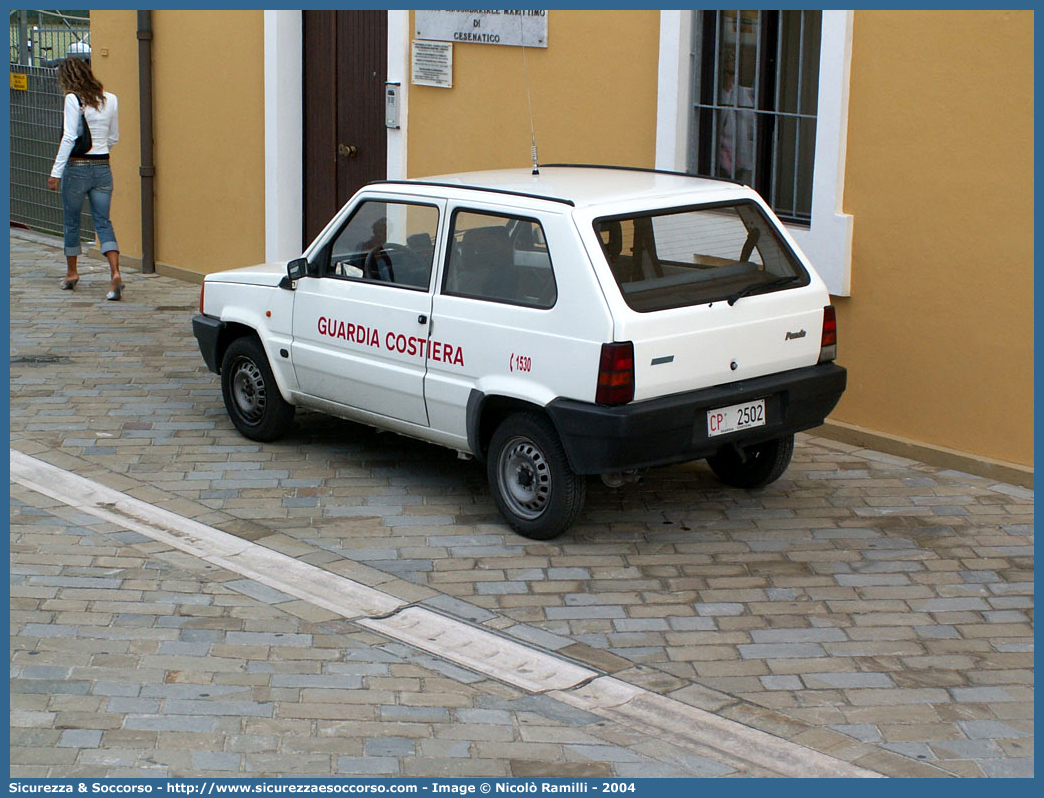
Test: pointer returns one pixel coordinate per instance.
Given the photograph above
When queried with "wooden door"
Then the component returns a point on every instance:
(345, 139)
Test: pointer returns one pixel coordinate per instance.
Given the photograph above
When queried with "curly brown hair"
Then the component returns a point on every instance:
(75, 77)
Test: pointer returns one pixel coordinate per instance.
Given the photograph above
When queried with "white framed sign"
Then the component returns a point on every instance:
(432, 64)
(514, 28)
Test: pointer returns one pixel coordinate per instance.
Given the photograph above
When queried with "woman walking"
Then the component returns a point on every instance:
(87, 174)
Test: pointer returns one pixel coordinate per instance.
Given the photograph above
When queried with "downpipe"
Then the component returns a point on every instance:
(147, 171)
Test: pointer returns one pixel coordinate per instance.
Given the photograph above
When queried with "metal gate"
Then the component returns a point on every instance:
(36, 129)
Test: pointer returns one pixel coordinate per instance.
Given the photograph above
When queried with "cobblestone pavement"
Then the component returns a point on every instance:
(133, 660)
(866, 606)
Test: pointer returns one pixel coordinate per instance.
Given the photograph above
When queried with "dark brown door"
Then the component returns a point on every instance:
(345, 140)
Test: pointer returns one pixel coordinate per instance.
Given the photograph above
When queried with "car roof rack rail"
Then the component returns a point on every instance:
(468, 187)
(646, 169)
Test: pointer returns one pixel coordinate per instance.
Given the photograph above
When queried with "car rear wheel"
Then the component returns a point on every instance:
(530, 478)
(755, 466)
(251, 396)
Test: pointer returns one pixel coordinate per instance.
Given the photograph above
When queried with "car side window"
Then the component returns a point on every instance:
(500, 259)
(385, 242)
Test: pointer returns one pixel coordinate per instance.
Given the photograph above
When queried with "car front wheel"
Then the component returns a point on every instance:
(251, 396)
(530, 478)
(755, 466)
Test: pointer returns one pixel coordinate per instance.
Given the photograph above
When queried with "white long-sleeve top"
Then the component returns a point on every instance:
(103, 123)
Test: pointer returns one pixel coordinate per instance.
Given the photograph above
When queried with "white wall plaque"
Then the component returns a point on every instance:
(432, 64)
(514, 27)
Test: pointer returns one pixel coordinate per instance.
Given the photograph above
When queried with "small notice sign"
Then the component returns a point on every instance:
(432, 64)
(516, 27)
(19, 82)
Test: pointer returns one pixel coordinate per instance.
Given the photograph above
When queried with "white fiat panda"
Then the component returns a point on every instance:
(581, 320)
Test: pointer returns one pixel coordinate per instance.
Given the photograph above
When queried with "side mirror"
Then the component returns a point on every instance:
(296, 269)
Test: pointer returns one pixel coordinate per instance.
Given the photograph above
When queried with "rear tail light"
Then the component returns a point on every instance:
(828, 346)
(202, 291)
(616, 374)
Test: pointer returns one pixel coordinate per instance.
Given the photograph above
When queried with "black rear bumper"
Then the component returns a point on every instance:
(600, 440)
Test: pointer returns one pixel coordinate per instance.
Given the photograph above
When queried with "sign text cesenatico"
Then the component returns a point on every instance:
(515, 27)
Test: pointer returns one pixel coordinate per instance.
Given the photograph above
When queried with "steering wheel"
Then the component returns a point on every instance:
(397, 253)
(371, 266)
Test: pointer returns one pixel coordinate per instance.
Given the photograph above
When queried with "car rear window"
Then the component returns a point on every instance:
(690, 256)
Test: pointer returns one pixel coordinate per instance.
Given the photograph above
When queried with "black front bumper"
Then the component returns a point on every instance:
(207, 330)
(600, 440)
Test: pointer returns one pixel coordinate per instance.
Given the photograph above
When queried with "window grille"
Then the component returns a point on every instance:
(755, 91)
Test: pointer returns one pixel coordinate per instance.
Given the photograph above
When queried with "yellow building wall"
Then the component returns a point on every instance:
(114, 60)
(208, 130)
(593, 94)
(938, 332)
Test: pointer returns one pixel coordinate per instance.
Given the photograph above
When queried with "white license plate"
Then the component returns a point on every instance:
(736, 417)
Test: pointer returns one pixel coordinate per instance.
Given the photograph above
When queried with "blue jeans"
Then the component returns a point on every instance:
(92, 181)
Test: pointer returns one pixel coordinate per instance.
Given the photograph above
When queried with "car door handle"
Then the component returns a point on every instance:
(422, 319)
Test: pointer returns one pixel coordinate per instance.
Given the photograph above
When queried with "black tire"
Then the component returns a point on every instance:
(250, 392)
(530, 478)
(761, 464)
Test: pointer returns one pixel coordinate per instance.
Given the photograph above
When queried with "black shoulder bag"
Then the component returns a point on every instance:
(83, 142)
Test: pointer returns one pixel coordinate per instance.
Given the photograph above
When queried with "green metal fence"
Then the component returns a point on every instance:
(36, 117)
(42, 38)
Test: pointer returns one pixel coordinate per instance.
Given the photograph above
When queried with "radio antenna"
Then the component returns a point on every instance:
(529, 99)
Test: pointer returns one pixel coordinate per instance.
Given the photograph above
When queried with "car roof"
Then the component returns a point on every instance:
(583, 185)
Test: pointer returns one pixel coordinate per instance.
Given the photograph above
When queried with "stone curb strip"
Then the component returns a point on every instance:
(458, 642)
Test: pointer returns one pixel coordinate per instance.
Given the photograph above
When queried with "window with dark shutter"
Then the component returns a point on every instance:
(755, 95)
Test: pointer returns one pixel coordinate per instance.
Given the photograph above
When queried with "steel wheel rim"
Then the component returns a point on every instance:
(524, 478)
(248, 391)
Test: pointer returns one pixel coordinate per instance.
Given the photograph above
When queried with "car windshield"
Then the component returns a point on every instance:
(690, 256)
